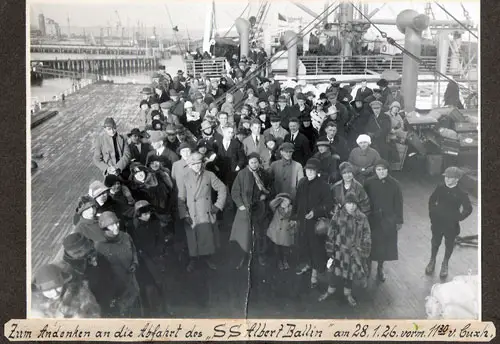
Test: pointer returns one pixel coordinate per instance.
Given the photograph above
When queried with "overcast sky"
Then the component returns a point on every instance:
(190, 14)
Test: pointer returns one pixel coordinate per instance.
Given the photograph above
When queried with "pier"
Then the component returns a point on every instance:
(66, 170)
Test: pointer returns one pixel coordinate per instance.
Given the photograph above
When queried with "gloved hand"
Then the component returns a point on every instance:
(188, 220)
(132, 268)
(214, 209)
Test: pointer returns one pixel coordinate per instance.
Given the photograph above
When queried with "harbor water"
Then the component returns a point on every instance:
(50, 88)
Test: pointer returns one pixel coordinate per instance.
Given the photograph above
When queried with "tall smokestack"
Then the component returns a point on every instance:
(411, 24)
(290, 38)
(243, 28)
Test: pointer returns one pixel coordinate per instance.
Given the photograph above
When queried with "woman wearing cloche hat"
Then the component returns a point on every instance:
(55, 295)
(313, 201)
(386, 217)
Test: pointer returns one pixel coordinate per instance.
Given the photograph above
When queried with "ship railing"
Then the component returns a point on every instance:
(369, 64)
(37, 103)
(212, 67)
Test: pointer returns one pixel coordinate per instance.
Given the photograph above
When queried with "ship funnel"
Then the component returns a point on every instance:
(290, 39)
(411, 24)
(243, 27)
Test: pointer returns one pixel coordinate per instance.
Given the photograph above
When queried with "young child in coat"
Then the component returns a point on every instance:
(282, 230)
(448, 205)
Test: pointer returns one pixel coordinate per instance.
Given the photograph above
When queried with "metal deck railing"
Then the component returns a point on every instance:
(214, 68)
(370, 64)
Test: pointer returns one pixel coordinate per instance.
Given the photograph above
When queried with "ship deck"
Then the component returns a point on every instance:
(66, 170)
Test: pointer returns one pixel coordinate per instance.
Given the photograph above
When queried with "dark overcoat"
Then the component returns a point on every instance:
(386, 202)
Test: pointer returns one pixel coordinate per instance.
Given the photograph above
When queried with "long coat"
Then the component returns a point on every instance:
(312, 195)
(349, 244)
(245, 192)
(285, 176)
(121, 253)
(195, 201)
(104, 152)
(328, 170)
(378, 129)
(77, 302)
(386, 201)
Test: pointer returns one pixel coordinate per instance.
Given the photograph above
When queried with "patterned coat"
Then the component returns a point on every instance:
(339, 193)
(349, 244)
(195, 201)
(76, 302)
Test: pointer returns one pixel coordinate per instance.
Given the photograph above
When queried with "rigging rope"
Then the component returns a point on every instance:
(404, 51)
(270, 60)
(248, 4)
(458, 21)
(175, 35)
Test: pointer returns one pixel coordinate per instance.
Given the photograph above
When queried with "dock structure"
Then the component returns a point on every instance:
(64, 174)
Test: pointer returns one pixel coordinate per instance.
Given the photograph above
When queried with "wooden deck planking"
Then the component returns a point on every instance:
(66, 170)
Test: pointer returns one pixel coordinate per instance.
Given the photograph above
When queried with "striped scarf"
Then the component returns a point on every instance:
(259, 182)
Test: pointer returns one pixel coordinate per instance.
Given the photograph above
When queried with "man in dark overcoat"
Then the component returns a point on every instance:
(386, 218)
(313, 201)
(378, 127)
(138, 149)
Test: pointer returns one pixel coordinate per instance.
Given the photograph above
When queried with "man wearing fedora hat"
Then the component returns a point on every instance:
(167, 156)
(386, 94)
(111, 153)
(286, 173)
(138, 150)
(448, 206)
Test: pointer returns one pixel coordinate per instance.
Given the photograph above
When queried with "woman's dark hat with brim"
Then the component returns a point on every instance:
(147, 90)
(382, 83)
(78, 246)
(144, 101)
(313, 164)
(135, 131)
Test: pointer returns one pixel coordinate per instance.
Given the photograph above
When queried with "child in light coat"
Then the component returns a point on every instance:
(282, 230)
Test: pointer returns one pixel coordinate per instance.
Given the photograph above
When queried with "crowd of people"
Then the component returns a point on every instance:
(287, 169)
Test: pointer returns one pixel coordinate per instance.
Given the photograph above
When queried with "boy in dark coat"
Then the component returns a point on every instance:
(448, 205)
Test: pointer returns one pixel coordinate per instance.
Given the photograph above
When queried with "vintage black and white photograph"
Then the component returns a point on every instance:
(253, 159)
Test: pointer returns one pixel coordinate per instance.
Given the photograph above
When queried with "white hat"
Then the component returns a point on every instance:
(188, 104)
(363, 138)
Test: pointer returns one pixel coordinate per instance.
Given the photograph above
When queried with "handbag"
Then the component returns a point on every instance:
(321, 226)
